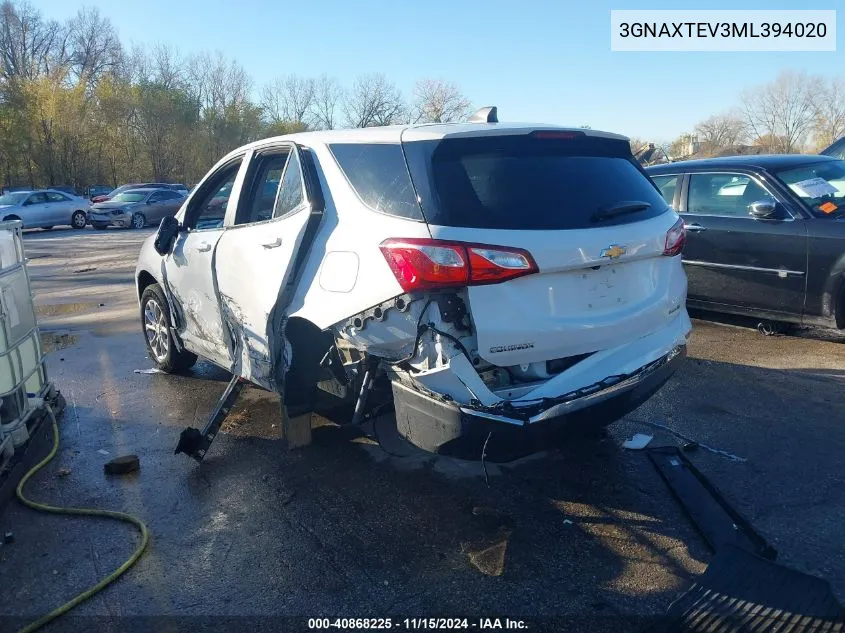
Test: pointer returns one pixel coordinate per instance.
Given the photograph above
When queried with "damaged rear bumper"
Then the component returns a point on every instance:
(610, 387)
(462, 430)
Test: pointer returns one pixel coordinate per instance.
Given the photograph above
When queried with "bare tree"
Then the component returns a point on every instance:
(782, 111)
(327, 95)
(372, 101)
(829, 104)
(94, 45)
(288, 99)
(720, 131)
(28, 43)
(437, 101)
(165, 67)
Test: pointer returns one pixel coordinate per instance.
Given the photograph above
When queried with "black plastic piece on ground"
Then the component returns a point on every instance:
(190, 441)
(196, 443)
(743, 592)
(9, 538)
(717, 521)
(122, 465)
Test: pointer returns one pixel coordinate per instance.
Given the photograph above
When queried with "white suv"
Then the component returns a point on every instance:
(508, 280)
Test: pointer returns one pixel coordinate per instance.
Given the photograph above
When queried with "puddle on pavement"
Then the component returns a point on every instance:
(51, 342)
(56, 309)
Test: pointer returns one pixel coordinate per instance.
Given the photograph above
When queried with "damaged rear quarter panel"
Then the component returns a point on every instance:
(348, 227)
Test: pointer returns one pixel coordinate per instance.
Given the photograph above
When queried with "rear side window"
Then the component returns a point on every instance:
(531, 182)
(378, 174)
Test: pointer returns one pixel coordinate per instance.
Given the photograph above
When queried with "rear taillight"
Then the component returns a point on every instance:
(420, 264)
(675, 239)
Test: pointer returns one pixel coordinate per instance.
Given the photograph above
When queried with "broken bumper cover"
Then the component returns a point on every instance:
(110, 219)
(610, 387)
(507, 433)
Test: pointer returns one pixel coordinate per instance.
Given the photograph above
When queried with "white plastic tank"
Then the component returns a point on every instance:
(22, 373)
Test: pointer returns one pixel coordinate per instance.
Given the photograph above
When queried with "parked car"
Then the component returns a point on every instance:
(496, 278)
(836, 149)
(44, 209)
(148, 185)
(67, 189)
(95, 191)
(765, 234)
(135, 208)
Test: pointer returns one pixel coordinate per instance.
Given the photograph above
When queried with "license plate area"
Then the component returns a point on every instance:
(602, 288)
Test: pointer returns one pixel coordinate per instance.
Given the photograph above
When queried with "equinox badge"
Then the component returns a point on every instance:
(613, 251)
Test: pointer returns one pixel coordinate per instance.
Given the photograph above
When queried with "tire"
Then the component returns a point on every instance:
(79, 219)
(155, 324)
(11, 217)
(138, 221)
(100, 227)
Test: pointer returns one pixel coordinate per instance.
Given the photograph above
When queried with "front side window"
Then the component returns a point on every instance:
(52, 196)
(37, 198)
(820, 186)
(209, 209)
(724, 194)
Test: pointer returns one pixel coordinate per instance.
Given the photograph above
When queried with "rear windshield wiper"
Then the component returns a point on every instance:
(622, 208)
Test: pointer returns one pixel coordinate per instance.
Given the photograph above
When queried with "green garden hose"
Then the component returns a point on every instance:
(90, 512)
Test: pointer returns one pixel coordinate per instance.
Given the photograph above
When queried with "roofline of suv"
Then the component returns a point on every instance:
(399, 133)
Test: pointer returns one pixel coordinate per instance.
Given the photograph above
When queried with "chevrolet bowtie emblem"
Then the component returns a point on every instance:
(613, 251)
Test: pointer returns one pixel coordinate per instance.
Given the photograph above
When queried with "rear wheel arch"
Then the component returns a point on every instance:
(305, 346)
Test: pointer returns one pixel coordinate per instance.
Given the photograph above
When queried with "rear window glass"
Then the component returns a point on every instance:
(379, 176)
(530, 183)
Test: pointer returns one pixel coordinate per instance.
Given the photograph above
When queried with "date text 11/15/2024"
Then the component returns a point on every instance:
(417, 624)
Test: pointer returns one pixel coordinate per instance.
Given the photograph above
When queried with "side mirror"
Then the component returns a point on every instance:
(763, 209)
(167, 232)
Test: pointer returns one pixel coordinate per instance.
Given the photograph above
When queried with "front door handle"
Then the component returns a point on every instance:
(203, 247)
(694, 228)
(275, 244)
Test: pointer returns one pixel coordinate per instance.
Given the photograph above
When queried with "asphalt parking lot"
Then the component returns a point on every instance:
(349, 527)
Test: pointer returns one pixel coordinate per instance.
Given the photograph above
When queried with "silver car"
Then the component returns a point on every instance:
(136, 208)
(44, 209)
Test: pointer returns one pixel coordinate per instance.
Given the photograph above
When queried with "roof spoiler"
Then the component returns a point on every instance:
(488, 114)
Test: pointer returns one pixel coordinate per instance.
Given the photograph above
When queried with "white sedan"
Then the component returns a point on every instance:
(44, 209)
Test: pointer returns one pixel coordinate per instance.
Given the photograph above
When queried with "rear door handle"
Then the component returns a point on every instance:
(275, 244)
(694, 228)
(203, 247)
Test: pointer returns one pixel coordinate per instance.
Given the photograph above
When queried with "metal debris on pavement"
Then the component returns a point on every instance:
(638, 442)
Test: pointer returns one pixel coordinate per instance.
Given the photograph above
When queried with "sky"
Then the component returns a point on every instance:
(537, 60)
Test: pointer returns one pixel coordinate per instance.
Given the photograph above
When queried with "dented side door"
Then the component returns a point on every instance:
(188, 270)
(256, 255)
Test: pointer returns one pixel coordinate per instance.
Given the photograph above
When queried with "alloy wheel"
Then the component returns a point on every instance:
(155, 328)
